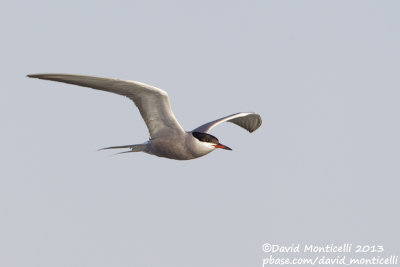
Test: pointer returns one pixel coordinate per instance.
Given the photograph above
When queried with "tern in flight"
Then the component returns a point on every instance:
(167, 137)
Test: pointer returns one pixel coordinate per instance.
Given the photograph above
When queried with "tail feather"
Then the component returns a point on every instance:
(116, 147)
(123, 152)
(133, 148)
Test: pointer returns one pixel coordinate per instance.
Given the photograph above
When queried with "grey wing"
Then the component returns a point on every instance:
(153, 103)
(248, 120)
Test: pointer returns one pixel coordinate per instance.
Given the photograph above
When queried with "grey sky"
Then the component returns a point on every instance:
(323, 168)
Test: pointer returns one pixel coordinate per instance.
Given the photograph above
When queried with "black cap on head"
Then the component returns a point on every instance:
(204, 137)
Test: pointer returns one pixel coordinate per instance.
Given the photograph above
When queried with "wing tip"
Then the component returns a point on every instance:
(38, 76)
(259, 122)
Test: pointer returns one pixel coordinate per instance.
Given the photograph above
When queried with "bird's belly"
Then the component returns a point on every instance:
(174, 149)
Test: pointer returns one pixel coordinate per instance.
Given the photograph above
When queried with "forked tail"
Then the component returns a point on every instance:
(133, 148)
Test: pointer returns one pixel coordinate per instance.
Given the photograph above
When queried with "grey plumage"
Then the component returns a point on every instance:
(167, 137)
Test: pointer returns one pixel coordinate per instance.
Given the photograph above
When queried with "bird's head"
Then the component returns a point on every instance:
(209, 140)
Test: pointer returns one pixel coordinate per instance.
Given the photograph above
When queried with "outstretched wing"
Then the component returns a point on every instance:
(153, 103)
(248, 120)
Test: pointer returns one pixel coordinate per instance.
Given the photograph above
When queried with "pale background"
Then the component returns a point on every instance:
(323, 168)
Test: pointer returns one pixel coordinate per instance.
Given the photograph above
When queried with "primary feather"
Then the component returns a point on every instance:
(248, 120)
(152, 102)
